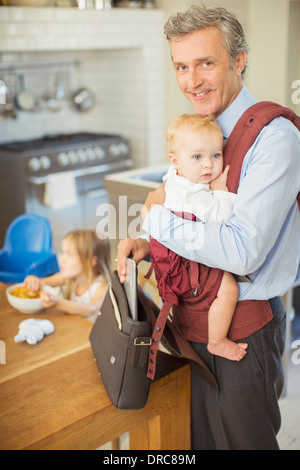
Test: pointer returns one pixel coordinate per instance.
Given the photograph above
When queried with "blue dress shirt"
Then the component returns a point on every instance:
(262, 238)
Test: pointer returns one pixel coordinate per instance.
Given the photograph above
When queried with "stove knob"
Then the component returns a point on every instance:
(82, 156)
(34, 164)
(123, 148)
(72, 156)
(90, 154)
(45, 162)
(62, 159)
(114, 150)
(99, 152)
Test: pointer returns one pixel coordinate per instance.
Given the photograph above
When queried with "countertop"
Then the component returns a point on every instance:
(134, 183)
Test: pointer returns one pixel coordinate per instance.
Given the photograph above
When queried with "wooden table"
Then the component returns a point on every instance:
(52, 397)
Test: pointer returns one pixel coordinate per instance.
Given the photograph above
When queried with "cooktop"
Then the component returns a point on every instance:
(55, 139)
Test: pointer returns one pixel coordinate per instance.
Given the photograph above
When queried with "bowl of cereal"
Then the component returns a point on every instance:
(24, 300)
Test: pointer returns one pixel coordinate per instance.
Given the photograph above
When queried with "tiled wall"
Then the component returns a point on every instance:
(117, 54)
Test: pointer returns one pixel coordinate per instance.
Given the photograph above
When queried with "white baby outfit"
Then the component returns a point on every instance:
(207, 205)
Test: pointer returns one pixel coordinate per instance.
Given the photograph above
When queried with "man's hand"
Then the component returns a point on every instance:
(154, 198)
(137, 249)
(220, 183)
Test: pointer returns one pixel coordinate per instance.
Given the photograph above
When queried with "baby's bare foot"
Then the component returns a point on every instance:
(228, 349)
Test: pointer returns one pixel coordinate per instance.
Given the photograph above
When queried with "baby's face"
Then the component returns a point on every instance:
(198, 155)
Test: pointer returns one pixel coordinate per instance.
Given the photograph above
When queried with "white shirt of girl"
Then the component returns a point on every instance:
(87, 296)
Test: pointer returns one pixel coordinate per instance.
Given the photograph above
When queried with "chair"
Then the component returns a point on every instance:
(27, 249)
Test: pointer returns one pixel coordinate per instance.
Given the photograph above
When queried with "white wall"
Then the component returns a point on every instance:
(268, 23)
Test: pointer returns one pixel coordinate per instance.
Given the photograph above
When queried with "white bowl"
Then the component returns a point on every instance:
(27, 306)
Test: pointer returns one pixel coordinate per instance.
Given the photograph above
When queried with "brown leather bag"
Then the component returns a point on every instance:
(122, 346)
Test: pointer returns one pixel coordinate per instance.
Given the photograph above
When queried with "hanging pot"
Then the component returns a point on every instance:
(83, 100)
(53, 99)
(24, 99)
(7, 105)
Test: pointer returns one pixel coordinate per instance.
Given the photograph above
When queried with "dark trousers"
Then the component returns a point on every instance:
(244, 414)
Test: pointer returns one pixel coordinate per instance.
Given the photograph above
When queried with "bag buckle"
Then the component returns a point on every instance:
(139, 356)
(143, 341)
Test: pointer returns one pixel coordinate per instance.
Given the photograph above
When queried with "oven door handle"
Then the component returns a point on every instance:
(93, 170)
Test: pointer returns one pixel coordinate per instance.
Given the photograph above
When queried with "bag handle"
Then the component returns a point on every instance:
(115, 306)
(105, 269)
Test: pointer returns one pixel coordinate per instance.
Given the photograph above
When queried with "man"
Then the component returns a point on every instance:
(261, 240)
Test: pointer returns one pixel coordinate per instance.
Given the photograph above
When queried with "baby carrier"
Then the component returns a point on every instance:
(181, 281)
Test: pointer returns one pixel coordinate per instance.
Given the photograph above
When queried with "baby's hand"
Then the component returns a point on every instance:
(48, 300)
(32, 283)
(220, 183)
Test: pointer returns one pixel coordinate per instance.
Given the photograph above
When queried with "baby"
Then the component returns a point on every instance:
(196, 183)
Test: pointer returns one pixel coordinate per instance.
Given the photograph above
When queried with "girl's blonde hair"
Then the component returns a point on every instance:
(192, 122)
(89, 246)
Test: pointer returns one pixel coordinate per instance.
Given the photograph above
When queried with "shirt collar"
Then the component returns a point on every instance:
(232, 114)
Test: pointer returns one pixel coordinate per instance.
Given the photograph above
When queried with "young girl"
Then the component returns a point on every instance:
(84, 264)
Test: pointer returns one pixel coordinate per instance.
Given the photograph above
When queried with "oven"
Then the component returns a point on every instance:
(60, 177)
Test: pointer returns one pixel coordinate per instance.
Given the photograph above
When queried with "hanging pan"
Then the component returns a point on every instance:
(83, 100)
(24, 99)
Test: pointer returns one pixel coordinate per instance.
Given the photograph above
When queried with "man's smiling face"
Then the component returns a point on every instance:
(204, 71)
